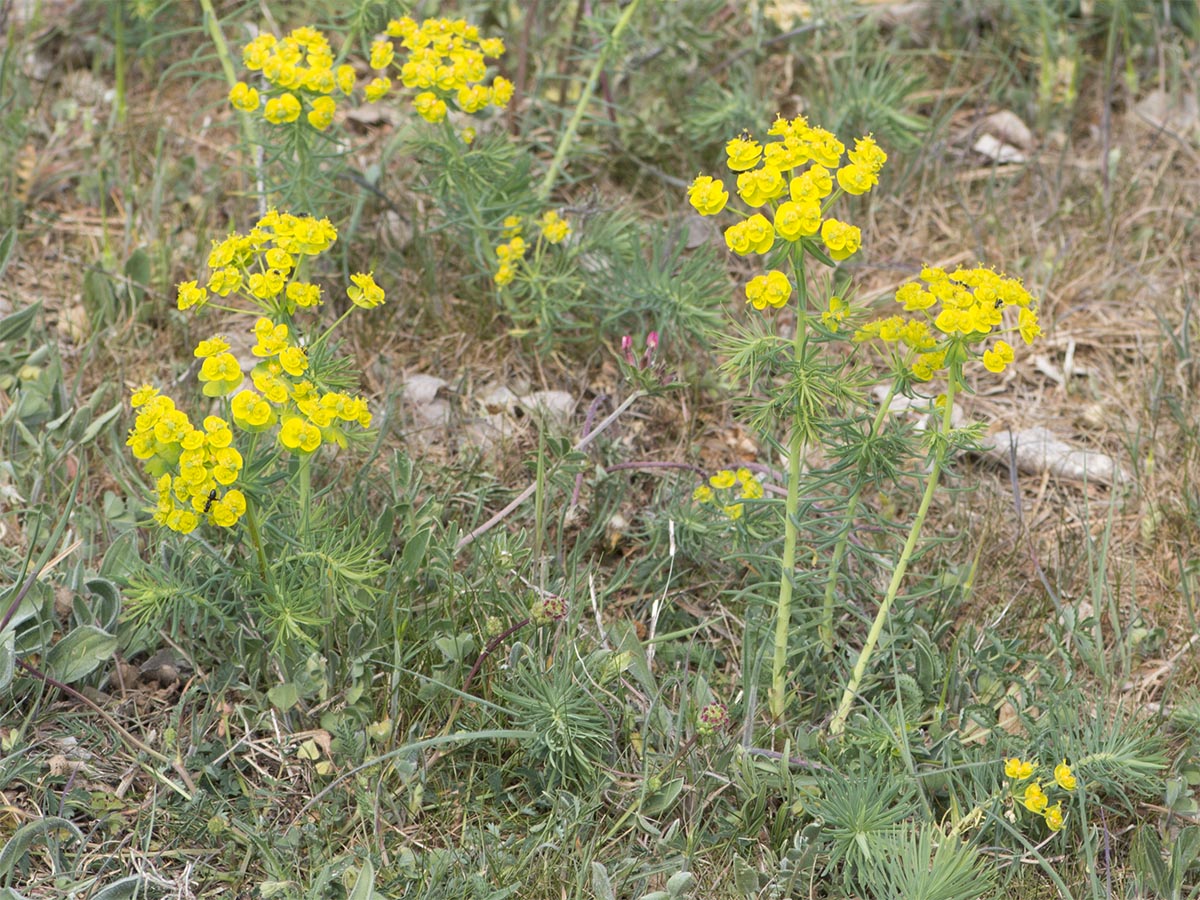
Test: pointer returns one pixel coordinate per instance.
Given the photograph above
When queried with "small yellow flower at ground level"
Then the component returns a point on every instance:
(1054, 817)
(344, 77)
(554, 227)
(364, 291)
(751, 489)
(1064, 777)
(505, 275)
(723, 479)
(733, 511)
(707, 195)
(1035, 799)
(703, 494)
(1018, 769)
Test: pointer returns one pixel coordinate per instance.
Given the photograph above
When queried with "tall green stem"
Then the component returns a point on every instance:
(213, 22)
(777, 700)
(838, 724)
(839, 551)
(585, 97)
(251, 517)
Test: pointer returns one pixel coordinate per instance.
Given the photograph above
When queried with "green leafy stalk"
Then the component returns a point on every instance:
(213, 23)
(585, 97)
(838, 724)
(839, 551)
(777, 700)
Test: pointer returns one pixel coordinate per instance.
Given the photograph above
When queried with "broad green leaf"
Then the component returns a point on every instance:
(98, 423)
(18, 325)
(364, 884)
(284, 696)
(8, 657)
(601, 883)
(79, 653)
(132, 887)
(8, 243)
(23, 838)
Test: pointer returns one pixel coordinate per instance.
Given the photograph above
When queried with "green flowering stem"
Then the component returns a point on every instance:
(825, 629)
(777, 698)
(941, 446)
(305, 465)
(251, 518)
(585, 97)
(213, 23)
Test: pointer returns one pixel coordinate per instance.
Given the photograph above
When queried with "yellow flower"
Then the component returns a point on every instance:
(190, 295)
(772, 289)
(854, 179)
(743, 153)
(299, 434)
(840, 239)
(1064, 777)
(243, 97)
(382, 54)
(703, 494)
(320, 116)
(1017, 769)
(377, 89)
(1054, 816)
(1035, 798)
(282, 109)
(365, 292)
(554, 227)
(707, 195)
(733, 511)
(796, 220)
(997, 359)
(723, 479)
(836, 313)
(760, 185)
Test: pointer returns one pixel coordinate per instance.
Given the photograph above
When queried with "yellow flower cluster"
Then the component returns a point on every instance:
(194, 467)
(261, 264)
(1034, 797)
(957, 310)
(446, 62)
(793, 179)
(299, 69)
(726, 488)
(552, 229)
